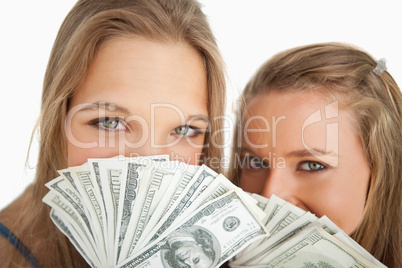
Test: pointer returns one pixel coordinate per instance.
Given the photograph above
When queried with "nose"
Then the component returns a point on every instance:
(146, 152)
(281, 183)
(149, 147)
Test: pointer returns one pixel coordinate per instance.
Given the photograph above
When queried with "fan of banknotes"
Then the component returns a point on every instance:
(152, 212)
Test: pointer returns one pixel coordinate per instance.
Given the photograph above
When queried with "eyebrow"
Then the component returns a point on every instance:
(104, 105)
(247, 150)
(297, 153)
(312, 152)
(115, 108)
(198, 117)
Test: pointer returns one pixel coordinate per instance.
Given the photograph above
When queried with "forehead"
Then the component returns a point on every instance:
(133, 70)
(291, 119)
(278, 103)
(290, 109)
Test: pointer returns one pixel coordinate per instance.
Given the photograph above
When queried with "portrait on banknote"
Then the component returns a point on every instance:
(191, 247)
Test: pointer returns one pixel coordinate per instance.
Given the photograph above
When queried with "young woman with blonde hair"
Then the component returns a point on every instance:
(321, 127)
(134, 77)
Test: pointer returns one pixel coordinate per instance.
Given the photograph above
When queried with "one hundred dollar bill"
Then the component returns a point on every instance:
(223, 226)
(315, 247)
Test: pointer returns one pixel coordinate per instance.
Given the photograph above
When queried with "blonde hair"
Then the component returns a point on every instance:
(345, 73)
(88, 25)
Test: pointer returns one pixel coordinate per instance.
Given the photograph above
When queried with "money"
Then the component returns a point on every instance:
(315, 247)
(203, 177)
(178, 183)
(153, 185)
(225, 224)
(132, 174)
(300, 239)
(152, 212)
(115, 210)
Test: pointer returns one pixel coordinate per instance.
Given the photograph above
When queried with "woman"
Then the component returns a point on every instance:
(320, 127)
(124, 78)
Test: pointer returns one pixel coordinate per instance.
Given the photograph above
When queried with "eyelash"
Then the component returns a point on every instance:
(321, 166)
(100, 123)
(188, 128)
(255, 163)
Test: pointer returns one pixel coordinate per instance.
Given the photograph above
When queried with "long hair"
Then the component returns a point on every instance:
(345, 73)
(87, 26)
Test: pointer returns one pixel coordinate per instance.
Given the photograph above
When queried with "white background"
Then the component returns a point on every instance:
(248, 33)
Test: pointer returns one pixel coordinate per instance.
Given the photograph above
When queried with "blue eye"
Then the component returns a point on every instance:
(186, 130)
(311, 166)
(108, 123)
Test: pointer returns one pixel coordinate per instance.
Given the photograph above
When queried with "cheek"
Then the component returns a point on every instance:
(342, 204)
(253, 181)
(87, 142)
(189, 154)
(78, 156)
(84, 143)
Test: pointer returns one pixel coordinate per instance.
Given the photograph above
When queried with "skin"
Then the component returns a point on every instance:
(324, 172)
(140, 98)
(191, 254)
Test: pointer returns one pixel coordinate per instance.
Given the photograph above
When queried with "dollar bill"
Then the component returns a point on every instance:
(254, 256)
(218, 187)
(61, 187)
(63, 207)
(66, 174)
(203, 177)
(177, 185)
(262, 202)
(271, 209)
(307, 241)
(225, 224)
(315, 247)
(92, 199)
(108, 174)
(339, 234)
(152, 187)
(131, 177)
(68, 230)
